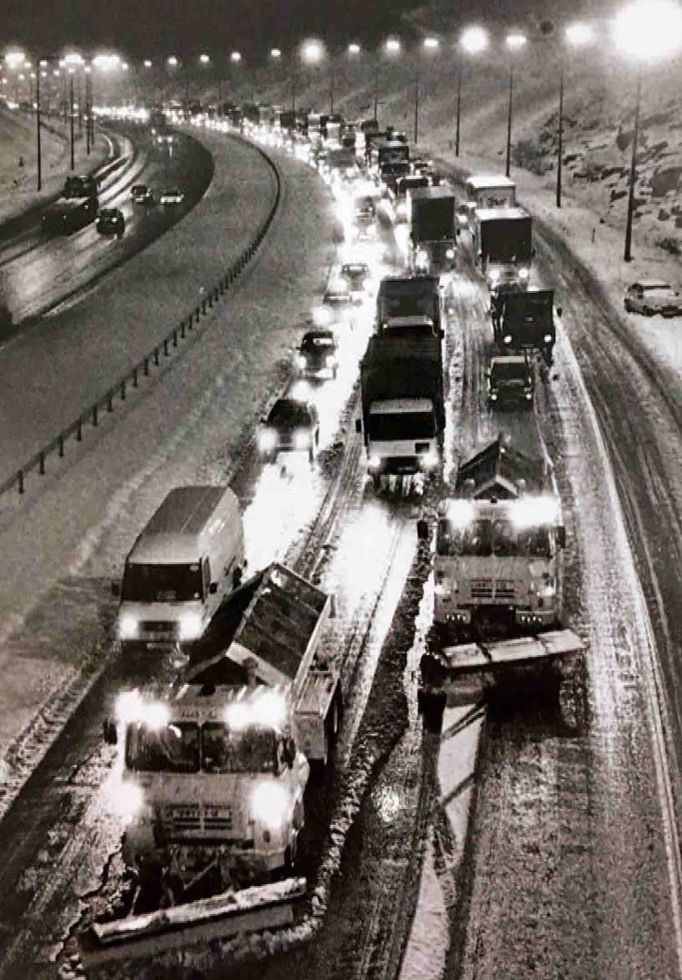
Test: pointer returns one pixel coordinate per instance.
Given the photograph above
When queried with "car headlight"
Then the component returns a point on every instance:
(450, 253)
(374, 462)
(190, 626)
(422, 256)
(270, 804)
(127, 626)
(300, 362)
(494, 275)
(493, 396)
(443, 588)
(507, 339)
(267, 439)
(524, 273)
(301, 439)
(529, 396)
(547, 338)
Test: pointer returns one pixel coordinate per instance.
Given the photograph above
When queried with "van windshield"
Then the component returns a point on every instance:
(171, 748)
(247, 750)
(483, 538)
(162, 583)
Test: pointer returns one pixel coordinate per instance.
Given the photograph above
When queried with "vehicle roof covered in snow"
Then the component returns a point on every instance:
(498, 470)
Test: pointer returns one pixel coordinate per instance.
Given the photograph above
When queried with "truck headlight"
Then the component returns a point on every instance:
(422, 257)
(267, 440)
(190, 626)
(529, 396)
(374, 462)
(269, 804)
(300, 362)
(507, 338)
(547, 339)
(546, 591)
(444, 588)
(429, 461)
(301, 439)
(450, 253)
(127, 626)
(493, 396)
(128, 802)
(524, 273)
(494, 275)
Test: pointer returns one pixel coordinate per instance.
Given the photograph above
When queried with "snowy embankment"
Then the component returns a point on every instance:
(70, 535)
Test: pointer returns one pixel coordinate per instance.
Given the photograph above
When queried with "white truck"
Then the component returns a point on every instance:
(215, 765)
(487, 192)
(498, 581)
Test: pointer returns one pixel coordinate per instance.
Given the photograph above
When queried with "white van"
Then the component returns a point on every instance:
(188, 558)
(491, 192)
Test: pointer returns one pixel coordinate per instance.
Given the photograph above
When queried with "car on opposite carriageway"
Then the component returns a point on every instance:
(141, 194)
(171, 195)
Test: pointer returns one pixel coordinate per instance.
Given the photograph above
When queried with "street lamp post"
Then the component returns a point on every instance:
(514, 43)
(39, 161)
(73, 161)
(646, 30)
(472, 41)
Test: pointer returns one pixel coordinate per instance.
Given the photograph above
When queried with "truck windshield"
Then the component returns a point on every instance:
(485, 538)
(162, 583)
(248, 750)
(171, 748)
(402, 425)
(510, 372)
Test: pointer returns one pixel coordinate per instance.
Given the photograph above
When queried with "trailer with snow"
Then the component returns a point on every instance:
(431, 217)
(403, 413)
(498, 583)
(215, 763)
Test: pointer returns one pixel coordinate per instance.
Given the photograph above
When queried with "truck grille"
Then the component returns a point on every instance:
(158, 626)
(193, 819)
(493, 590)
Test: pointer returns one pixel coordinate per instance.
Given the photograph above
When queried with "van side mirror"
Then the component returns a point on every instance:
(109, 732)
(561, 536)
(559, 311)
(423, 530)
(289, 752)
(358, 425)
(116, 590)
(213, 588)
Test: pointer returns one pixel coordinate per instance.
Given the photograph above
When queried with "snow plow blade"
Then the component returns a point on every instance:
(467, 673)
(142, 937)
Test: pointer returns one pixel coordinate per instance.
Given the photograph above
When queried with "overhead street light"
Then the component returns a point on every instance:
(14, 59)
(235, 57)
(172, 61)
(431, 43)
(514, 43)
(354, 49)
(204, 59)
(147, 63)
(472, 41)
(646, 31)
(392, 46)
(275, 53)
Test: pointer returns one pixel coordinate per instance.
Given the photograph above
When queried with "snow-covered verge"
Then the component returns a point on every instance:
(68, 541)
(18, 159)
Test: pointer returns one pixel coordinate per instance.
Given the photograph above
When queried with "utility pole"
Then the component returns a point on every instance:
(416, 109)
(73, 160)
(376, 94)
(560, 151)
(627, 255)
(509, 117)
(459, 105)
(38, 145)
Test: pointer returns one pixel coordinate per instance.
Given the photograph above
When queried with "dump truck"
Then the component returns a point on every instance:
(431, 216)
(403, 414)
(523, 322)
(503, 246)
(498, 582)
(409, 307)
(215, 762)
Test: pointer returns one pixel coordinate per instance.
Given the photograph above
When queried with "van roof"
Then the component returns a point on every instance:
(172, 532)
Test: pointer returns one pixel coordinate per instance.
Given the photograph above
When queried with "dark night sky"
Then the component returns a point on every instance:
(149, 27)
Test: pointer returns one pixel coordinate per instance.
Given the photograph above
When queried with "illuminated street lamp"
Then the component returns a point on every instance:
(204, 59)
(514, 42)
(172, 61)
(646, 31)
(392, 46)
(147, 63)
(354, 49)
(235, 57)
(472, 41)
(275, 53)
(577, 35)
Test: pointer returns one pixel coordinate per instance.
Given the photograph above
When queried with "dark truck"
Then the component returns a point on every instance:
(503, 246)
(76, 207)
(523, 321)
(410, 182)
(431, 215)
(390, 174)
(403, 413)
(409, 307)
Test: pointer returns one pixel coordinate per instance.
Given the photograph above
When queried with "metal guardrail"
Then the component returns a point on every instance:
(118, 392)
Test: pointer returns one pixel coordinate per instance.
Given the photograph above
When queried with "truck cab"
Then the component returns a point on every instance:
(510, 381)
(523, 321)
(503, 246)
(403, 437)
(431, 216)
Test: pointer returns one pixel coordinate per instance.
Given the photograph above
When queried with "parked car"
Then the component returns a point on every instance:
(510, 381)
(110, 221)
(653, 296)
(291, 426)
(171, 195)
(317, 355)
(141, 194)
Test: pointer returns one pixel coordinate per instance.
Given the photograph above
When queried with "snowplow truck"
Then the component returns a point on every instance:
(499, 541)
(524, 322)
(431, 217)
(215, 765)
(497, 564)
(503, 246)
(409, 307)
(403, 414)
